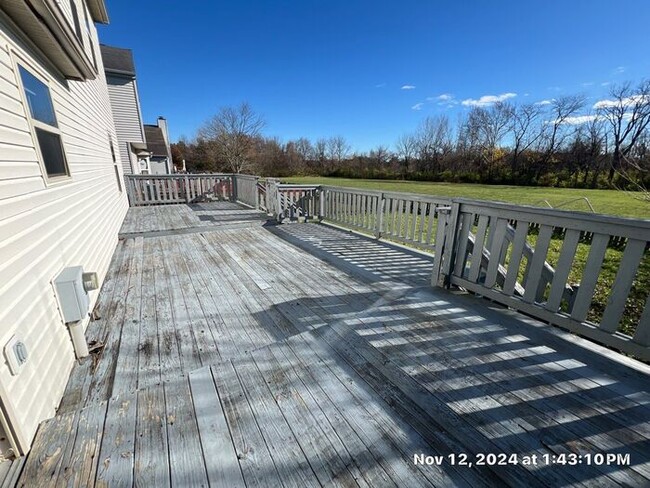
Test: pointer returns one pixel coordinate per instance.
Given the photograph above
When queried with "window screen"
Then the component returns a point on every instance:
(52, 151)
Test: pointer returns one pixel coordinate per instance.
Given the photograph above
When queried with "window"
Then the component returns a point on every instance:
(46, 129)
(115, 166)
(77, 24)
(90, 37)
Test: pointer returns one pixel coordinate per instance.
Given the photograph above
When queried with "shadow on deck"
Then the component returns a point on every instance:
(302, 355)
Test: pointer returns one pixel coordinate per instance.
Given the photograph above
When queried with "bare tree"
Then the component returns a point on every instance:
(525, 120)
(337, 150)
(433, 142)
(320, 153)
(554, 132)
(234, 131)
(486, 128)
(628, 113)
(406, 147)
(380, 157)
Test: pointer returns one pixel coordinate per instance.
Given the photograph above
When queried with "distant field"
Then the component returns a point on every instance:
(604, 201)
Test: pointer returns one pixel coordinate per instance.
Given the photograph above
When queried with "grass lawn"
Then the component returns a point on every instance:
(604, 201)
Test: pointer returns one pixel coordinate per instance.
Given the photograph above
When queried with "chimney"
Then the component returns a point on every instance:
(162, 123)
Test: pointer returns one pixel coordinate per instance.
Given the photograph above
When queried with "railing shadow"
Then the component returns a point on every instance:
(491, 387)
(364, 256)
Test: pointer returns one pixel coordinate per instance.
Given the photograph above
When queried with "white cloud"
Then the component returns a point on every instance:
(487, 100)
(587, 83)
(544, 102)
(408, 87)
(579, 119)
(606, 83)
(380, 85)
(626, 102)
(445, 97)
(619, 70)
(417, 106)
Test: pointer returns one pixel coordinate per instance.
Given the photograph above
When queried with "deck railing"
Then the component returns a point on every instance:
(292, 202)
(191, 188)
(402, 217)
(245, 190)
(517, 242)
(546, 263)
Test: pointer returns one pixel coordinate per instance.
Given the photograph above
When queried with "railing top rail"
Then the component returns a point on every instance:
(287, 186)
(249, 177)
(359, 191)
(180, 175)
(637, 228)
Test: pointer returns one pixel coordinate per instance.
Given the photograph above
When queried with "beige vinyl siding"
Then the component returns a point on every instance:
(123, 94)
(47, 227)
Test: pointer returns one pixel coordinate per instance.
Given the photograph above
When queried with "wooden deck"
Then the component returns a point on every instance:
(180, 219)
(302, 355)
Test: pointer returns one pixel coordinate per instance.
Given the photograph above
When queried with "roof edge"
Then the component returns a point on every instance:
(98, 11)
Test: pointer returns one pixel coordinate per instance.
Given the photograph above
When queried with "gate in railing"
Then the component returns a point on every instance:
(516, 241)
(292, 202)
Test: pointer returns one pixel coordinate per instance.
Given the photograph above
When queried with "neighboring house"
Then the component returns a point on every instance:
(61, 200)
(123, 91)
(157, 137)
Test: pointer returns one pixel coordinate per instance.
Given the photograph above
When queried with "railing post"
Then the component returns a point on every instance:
(128, 183)
(233, 186)
(379, 216)
(449, 253)
(186, 188)
(445, 243)
(321, 203)
(256, 194)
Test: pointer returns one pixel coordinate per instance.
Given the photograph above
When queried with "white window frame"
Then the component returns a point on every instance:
(19, 61)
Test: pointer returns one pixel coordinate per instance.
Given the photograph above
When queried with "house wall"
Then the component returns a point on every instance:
(123, 94)
(47, 227)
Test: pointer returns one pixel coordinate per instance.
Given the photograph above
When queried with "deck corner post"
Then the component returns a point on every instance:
(445, 243)
(449, 253)
(129, 183)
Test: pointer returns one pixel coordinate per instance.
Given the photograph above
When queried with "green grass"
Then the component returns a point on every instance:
(610, 202)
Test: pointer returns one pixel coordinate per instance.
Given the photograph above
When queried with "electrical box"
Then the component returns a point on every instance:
(15, 354)
(72, 295)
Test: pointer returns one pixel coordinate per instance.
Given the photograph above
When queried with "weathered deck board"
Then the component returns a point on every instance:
(212, 431)
(174, 218)
(330, 361)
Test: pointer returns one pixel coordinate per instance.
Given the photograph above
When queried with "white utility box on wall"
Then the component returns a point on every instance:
(72, 296)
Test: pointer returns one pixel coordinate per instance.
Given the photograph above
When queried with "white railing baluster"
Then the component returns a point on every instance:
(532, 284)
(562, 270)
(632, 255)
(589, 277)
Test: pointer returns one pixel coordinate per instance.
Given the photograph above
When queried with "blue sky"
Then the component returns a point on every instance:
(371, 70)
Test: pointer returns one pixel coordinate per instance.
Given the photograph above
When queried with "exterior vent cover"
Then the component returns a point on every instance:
(72, 296)
(16, 354)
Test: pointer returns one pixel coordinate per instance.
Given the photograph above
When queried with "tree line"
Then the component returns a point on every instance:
(549, 143)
